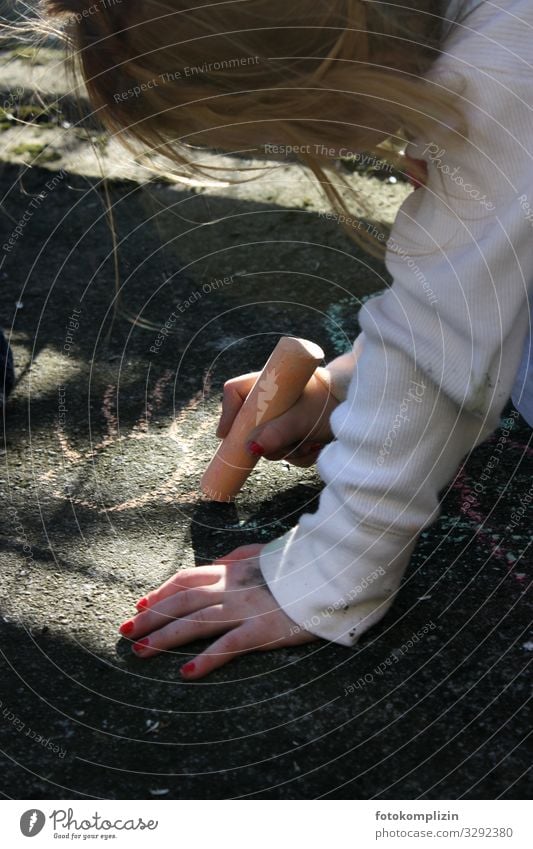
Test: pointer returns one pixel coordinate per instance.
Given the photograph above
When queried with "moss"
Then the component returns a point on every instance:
(36, 55)
(28, 112)
(31, 149)
(48, 156)
(45, 117)
(101, 141)
(29, 54)
(37, 152)
(367, 165)
(48, 125)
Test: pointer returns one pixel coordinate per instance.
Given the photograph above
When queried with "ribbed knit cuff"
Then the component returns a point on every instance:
(361, 596)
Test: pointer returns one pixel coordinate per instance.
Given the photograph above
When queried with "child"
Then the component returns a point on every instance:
(439, 352)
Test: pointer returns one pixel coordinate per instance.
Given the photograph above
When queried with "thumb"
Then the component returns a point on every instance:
(278, 435)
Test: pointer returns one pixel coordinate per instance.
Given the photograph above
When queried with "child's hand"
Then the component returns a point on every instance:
(298, 435)
(227, 599)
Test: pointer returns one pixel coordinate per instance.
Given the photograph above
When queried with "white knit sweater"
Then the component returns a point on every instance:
(439, 351)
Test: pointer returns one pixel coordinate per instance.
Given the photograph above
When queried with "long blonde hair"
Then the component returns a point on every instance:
(312, 75)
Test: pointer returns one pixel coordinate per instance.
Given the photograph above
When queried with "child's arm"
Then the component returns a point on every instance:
(439, 350)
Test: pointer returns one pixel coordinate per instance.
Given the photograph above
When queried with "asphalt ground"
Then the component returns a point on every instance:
(106, 435)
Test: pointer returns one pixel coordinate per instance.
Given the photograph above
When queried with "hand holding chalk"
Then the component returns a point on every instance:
(297, 435)
(279, 385)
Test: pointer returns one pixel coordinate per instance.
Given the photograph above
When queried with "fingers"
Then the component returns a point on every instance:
(285, 439)
(241, 640)
(307, 421)
(186, 579)
(278, 435)
(201, 576)
(235, 392)
(244, 552)
(305, 455)
(167, 611)
(233, 644)
(204, 623)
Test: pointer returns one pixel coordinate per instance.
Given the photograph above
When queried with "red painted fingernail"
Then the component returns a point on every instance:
(143, 602)
(141, 644)
(127, 627)
(256, 449)
(188, 668)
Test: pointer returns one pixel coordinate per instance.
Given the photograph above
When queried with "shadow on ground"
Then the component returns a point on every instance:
(107, 434)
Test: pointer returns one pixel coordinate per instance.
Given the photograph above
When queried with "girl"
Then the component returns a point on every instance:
(439, 352)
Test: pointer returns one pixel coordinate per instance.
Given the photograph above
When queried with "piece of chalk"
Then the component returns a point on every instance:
(283, 379)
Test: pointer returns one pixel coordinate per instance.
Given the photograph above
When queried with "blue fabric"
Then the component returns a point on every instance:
(522, 394)
(7, 372)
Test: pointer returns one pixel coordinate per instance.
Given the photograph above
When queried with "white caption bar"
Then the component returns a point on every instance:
(244, 824)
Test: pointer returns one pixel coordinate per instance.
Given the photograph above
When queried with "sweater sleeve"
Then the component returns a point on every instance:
(439, 350)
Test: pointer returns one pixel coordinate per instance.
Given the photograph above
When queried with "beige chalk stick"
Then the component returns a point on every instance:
(280, 384)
